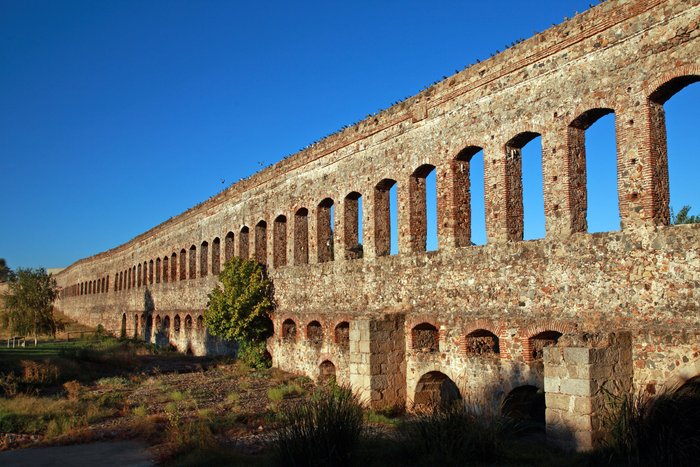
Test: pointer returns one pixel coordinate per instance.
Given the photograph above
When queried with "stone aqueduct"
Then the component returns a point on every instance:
(564, 315)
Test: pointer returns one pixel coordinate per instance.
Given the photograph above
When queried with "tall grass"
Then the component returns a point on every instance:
(654, 430)
(324, 430)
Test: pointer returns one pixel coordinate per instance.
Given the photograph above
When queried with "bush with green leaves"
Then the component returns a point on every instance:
(239, 307)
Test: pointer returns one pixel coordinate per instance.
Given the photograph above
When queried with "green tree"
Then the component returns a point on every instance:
(240, 311)
(29, 303)
(683, 218)
(5, 272)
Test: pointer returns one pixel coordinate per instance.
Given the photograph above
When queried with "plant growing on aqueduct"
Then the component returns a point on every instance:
(240, 310)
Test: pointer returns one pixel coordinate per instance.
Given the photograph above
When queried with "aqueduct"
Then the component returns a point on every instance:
(544, 322)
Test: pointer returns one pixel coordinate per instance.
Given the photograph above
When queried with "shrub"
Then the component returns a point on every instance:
(464, 431)
(654, 430)
(73, 390)
(322, 431)
(38, 372)
(284, 391)
(254, 354)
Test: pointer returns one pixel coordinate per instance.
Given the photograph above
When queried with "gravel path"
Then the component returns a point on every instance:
(104, 454)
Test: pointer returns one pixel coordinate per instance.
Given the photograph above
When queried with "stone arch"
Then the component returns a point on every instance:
(244, 242)
(173, 267)
(326, 372)
(188, 325)
(577, 165)
(314, 333)
(435, 390)
(138, 275)
(279, 241)
(228, 246)
(538, 342)
(525, 402)
(425, 338)
(136, 325)
(418, 207)
(183, 264)
(301, 236)
(352, 222)
(216, 256)
(193, 263)
(133, 276)
(122, 333)
(383, 230)
(289, 330)
(342, 335)
(324, 230)
(158, 270)
(515, 211)
(261, 242)
(158, 323)
(166, 268)
(144, 329)
(460, 202)
(200, 324)
(150, 272)
(658, 198)
(166, 326)
(482, 342)
(204, 259)
(176, 325)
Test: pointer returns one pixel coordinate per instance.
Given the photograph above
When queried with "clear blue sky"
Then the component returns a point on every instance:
(116, 115)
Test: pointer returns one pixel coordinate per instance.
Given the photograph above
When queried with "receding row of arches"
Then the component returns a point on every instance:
(315, 335)
(96, 286)
(162, 328)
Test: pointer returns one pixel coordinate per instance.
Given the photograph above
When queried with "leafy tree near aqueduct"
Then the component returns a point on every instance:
(682, 217)
(240, 310)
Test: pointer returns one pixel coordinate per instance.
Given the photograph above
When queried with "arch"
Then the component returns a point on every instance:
(173, 267)
(204, 259)
(352, 225)
(216, 256)
(176, 325)
(228, 246)
(158, 270)
(467, 215)
(579, 187)
(384, 229)
(133, 277)
(244, 243)
(525, 403)
(342, 335)
(200, 323)
(659, 197)
(122, 333)
(261, 242)
(515, 209)
(418, 207)
(314, 333)
(145, 273)
(136, 326)
(301, 236)
(188, 325)
(279, 241)
(289, 330)
(150, 272)
(193, 263)
(166, 268)
(324, 230)
(482, 342)
(539, 341)
(143, 326)
(326, 372)
(425, 338)
(166, 326)
(158, 324)
(435, 390)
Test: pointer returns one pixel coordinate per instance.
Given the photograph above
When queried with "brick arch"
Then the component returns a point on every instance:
(283, 334)
(655, 85)
(497, 329)
(416, 386)
(526, 334)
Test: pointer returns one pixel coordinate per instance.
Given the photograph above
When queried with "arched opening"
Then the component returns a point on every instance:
(193, 262)
(188, 325)
(352, 222)
(289, 330)
(216, 256)
(592, 149)
(148, 328)
(314, 334)
(138, 276)
(261, 242)
(279, 242)
(525, 201)
(166, 269)
(482, 342)
(672, 128)
(228, 246)
(342, 335)
(133, 277)
(525, 403)
(122, 334)
(166, 327)
(204, 259)
(301, 236)
(128, 279)
(158, 325)
(468, 197)
(158, 270)
(539, 341)
(176, 325)
(173, 267)
(324, 230)
(143, 326)
(150, 272)
(385, 218)
(136, 326)
(326, 372)
(200, 324)
(435, 390)
(145, 273)
(244, 243)
(425, 338)
(422, 208)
